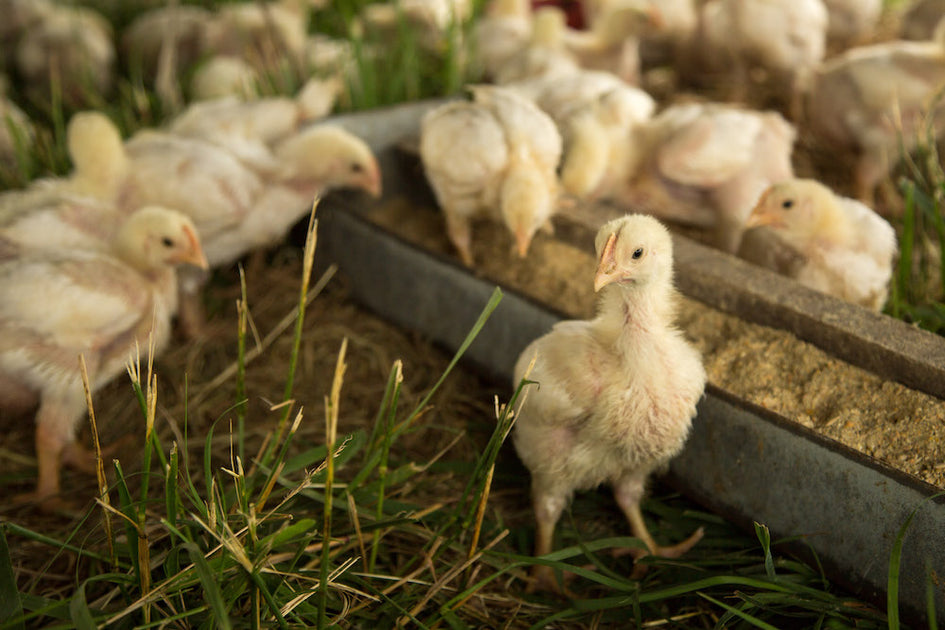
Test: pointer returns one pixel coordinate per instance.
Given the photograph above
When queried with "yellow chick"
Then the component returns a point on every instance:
(840, 246)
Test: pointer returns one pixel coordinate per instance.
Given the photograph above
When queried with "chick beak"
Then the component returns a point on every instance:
(606, 268)
(194, 254)
(763, 216)
(373, 182)
(522, 240)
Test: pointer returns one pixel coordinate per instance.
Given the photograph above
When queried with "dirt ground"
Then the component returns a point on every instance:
(902, 427)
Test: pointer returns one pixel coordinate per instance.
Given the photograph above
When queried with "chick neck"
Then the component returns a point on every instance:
(627, 309)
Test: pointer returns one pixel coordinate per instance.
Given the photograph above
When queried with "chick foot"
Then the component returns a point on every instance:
(542, 578)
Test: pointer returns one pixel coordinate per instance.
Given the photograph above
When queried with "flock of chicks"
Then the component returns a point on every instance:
(713, 165)
(88, 262)
(565, 121)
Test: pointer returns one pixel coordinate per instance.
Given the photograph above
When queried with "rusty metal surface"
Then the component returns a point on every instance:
(881, 344)
(744, 462)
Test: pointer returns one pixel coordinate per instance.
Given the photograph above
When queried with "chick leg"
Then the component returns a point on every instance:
(628, 492)
(548, 505)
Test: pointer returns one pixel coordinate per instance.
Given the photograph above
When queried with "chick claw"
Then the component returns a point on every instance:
(543, 578)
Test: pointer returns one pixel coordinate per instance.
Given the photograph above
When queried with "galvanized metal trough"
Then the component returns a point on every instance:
(742, 461)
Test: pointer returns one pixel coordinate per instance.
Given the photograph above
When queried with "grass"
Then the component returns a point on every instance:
(354, 529)
(917, 293)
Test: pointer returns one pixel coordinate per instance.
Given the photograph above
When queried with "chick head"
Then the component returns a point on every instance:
(154, 237)
(327, 156)
(528, 201)
(803, 209)
(633, 251)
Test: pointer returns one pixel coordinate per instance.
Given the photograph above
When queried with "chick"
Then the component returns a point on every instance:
(55, 306)
(839, 245)
(544, 55)
(270, 35)
(872, 98)
(613, 41)
(495, 157)
(704, 165)
(503, 30)
(177, 27)
(784, 37)
(616, 394)
(59, 220)
(434, 22)
(249, 129)
(71, 50)
(595, 112)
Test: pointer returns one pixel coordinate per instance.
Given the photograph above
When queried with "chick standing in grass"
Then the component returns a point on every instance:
(56, 305)
(835, 245)
(616, 394)
(495, 156)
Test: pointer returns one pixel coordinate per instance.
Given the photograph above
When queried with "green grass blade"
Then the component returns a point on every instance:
(764, 537)
(10, 605)
(758, 623)
(79, 611)
(211, 587)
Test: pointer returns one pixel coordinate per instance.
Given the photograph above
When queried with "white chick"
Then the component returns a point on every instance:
(503, 30)
(851, 21)
(494, 157)
(175, 26)
(544, 55)
(72, 47)
(616, 394)
(224, 75)
(595, 112)
(313, 161)
(56, 306)
(704, 165)
(785, 37)
(872, 98)
(433, 22)
(270, 35)
(249, 129)
(920, 18)
(839, 245)
(613, 41)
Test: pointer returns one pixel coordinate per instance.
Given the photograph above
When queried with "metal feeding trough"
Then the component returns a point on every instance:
(745, 462)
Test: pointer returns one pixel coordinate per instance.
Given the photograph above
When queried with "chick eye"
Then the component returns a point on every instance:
(167, 242)
(787, 204)
(638, 253)
(356, 168)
